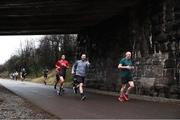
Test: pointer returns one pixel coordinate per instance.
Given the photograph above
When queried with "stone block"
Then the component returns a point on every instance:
(94, 84)
(158, 71)
(156, 62)
(170, 63)
(169, 72)
(146, 82)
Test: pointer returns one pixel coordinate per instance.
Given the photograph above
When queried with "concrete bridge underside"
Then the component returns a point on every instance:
(57, 16)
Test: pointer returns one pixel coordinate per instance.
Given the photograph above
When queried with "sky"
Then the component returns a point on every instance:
(10, 44)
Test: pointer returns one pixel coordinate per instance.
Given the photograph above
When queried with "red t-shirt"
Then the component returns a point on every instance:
(62, 64)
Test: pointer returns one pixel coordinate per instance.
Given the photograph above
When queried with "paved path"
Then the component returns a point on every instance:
(96, 106)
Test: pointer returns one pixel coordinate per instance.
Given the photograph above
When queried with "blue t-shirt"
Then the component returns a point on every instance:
(80, 67)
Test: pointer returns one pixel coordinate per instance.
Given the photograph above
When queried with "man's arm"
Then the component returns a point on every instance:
(74, 68)
(57, 66)
(68, 65)
(120, 66)
(87, 63)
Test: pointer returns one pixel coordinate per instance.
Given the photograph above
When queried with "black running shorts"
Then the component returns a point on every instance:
(125, 80)
(62, 73)
(80, 79)
(45, 75)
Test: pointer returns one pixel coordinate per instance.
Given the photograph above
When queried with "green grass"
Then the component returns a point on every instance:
(52, 78)
(4, 74)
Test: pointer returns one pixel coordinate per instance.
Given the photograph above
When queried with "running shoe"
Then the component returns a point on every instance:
(125, 96)
(121, 99)
(75, 89)
(57, 92)
(60, 90)
(83, 97)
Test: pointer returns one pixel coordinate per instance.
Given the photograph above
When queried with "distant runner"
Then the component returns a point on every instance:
(45, 74)
(23, 74)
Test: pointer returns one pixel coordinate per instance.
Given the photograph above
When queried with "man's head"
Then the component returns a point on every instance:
(63, 57)
(128, 55)
(83, 57)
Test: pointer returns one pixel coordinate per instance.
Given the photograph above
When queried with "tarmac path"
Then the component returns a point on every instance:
(69, 106)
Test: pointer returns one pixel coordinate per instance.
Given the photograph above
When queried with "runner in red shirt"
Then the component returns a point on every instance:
(61, 66)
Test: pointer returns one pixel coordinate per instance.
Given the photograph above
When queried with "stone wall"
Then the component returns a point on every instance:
(162, 46)
(151, 30)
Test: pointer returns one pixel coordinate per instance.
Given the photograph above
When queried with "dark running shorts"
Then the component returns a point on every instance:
(61, 73)
(79, 79)
(23, 76)
(125, 80)
(45, 75)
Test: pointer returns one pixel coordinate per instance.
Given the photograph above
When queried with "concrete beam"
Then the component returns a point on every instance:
(63, 15)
